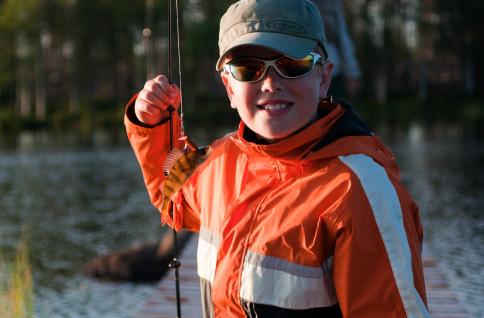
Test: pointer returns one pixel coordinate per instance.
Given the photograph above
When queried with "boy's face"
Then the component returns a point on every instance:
(275, 107)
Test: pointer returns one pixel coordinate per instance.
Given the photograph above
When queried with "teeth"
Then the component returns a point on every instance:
(275, 106)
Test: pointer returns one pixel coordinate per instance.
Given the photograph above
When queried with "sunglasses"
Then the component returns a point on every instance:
(249, 70)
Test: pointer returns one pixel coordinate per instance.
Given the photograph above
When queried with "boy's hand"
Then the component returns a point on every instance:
(153, 101)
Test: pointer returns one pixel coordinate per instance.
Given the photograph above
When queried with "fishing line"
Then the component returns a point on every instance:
(182, 127)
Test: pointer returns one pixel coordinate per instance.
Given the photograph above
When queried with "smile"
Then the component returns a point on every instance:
(278, 106)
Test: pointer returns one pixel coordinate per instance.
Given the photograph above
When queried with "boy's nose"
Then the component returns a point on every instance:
(271, 81)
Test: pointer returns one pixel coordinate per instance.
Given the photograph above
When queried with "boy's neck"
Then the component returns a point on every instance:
(251, 136)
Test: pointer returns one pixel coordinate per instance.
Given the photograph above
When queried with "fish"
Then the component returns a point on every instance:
(178, 167)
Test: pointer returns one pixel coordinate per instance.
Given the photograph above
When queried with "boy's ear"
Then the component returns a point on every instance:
(326, 70)
(225, 79)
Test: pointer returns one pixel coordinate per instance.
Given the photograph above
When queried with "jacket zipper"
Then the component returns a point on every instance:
(256, 212)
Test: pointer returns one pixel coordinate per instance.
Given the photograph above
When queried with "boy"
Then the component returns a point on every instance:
(300, 211)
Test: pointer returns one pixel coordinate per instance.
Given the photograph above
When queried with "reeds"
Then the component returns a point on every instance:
(16, 285)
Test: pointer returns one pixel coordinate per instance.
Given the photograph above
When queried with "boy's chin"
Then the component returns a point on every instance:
(273, 137)
(276, 135)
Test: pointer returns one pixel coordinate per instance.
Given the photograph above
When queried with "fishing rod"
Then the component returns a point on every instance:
(174, 263)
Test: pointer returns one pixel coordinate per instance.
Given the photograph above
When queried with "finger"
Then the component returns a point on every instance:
(148, 109)
(158, 83)
(162, 79)
(174, 90)
(175, 95)
(162, 90)
(159, 100)
(168, 89)
(147, 113)
(165, 83)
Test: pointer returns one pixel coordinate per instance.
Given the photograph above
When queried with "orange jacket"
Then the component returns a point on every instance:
(312, 225)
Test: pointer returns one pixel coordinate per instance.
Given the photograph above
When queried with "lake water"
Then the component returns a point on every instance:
(78, 202)
(444, 171)
(75, 204)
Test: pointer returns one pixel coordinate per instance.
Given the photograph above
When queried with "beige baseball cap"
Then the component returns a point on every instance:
(290, 27)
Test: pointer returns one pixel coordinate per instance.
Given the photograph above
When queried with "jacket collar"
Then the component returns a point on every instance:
(297, 145)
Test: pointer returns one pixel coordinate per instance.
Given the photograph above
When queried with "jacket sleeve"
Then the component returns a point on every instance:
(377, 268)
(151, 145)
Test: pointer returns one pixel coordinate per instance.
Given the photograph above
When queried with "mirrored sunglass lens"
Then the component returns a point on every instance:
(246, 70)
(294, 68)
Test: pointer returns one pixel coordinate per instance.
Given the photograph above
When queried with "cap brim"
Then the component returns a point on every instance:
(292, 46)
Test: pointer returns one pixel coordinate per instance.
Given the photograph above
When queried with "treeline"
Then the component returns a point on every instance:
(74, 63)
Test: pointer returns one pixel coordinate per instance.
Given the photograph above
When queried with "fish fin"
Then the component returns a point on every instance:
(189, 144)
(171, 159)
(165, 213)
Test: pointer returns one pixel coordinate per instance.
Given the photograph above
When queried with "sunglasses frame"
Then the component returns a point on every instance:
(316, 59)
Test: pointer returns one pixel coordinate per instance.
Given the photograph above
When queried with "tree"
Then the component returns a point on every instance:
(18, 25)
(460, 29)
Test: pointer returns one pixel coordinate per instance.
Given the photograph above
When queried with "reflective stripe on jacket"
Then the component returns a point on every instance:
(315, 225)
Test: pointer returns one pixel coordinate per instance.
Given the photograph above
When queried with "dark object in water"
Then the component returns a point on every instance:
(143, 263)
